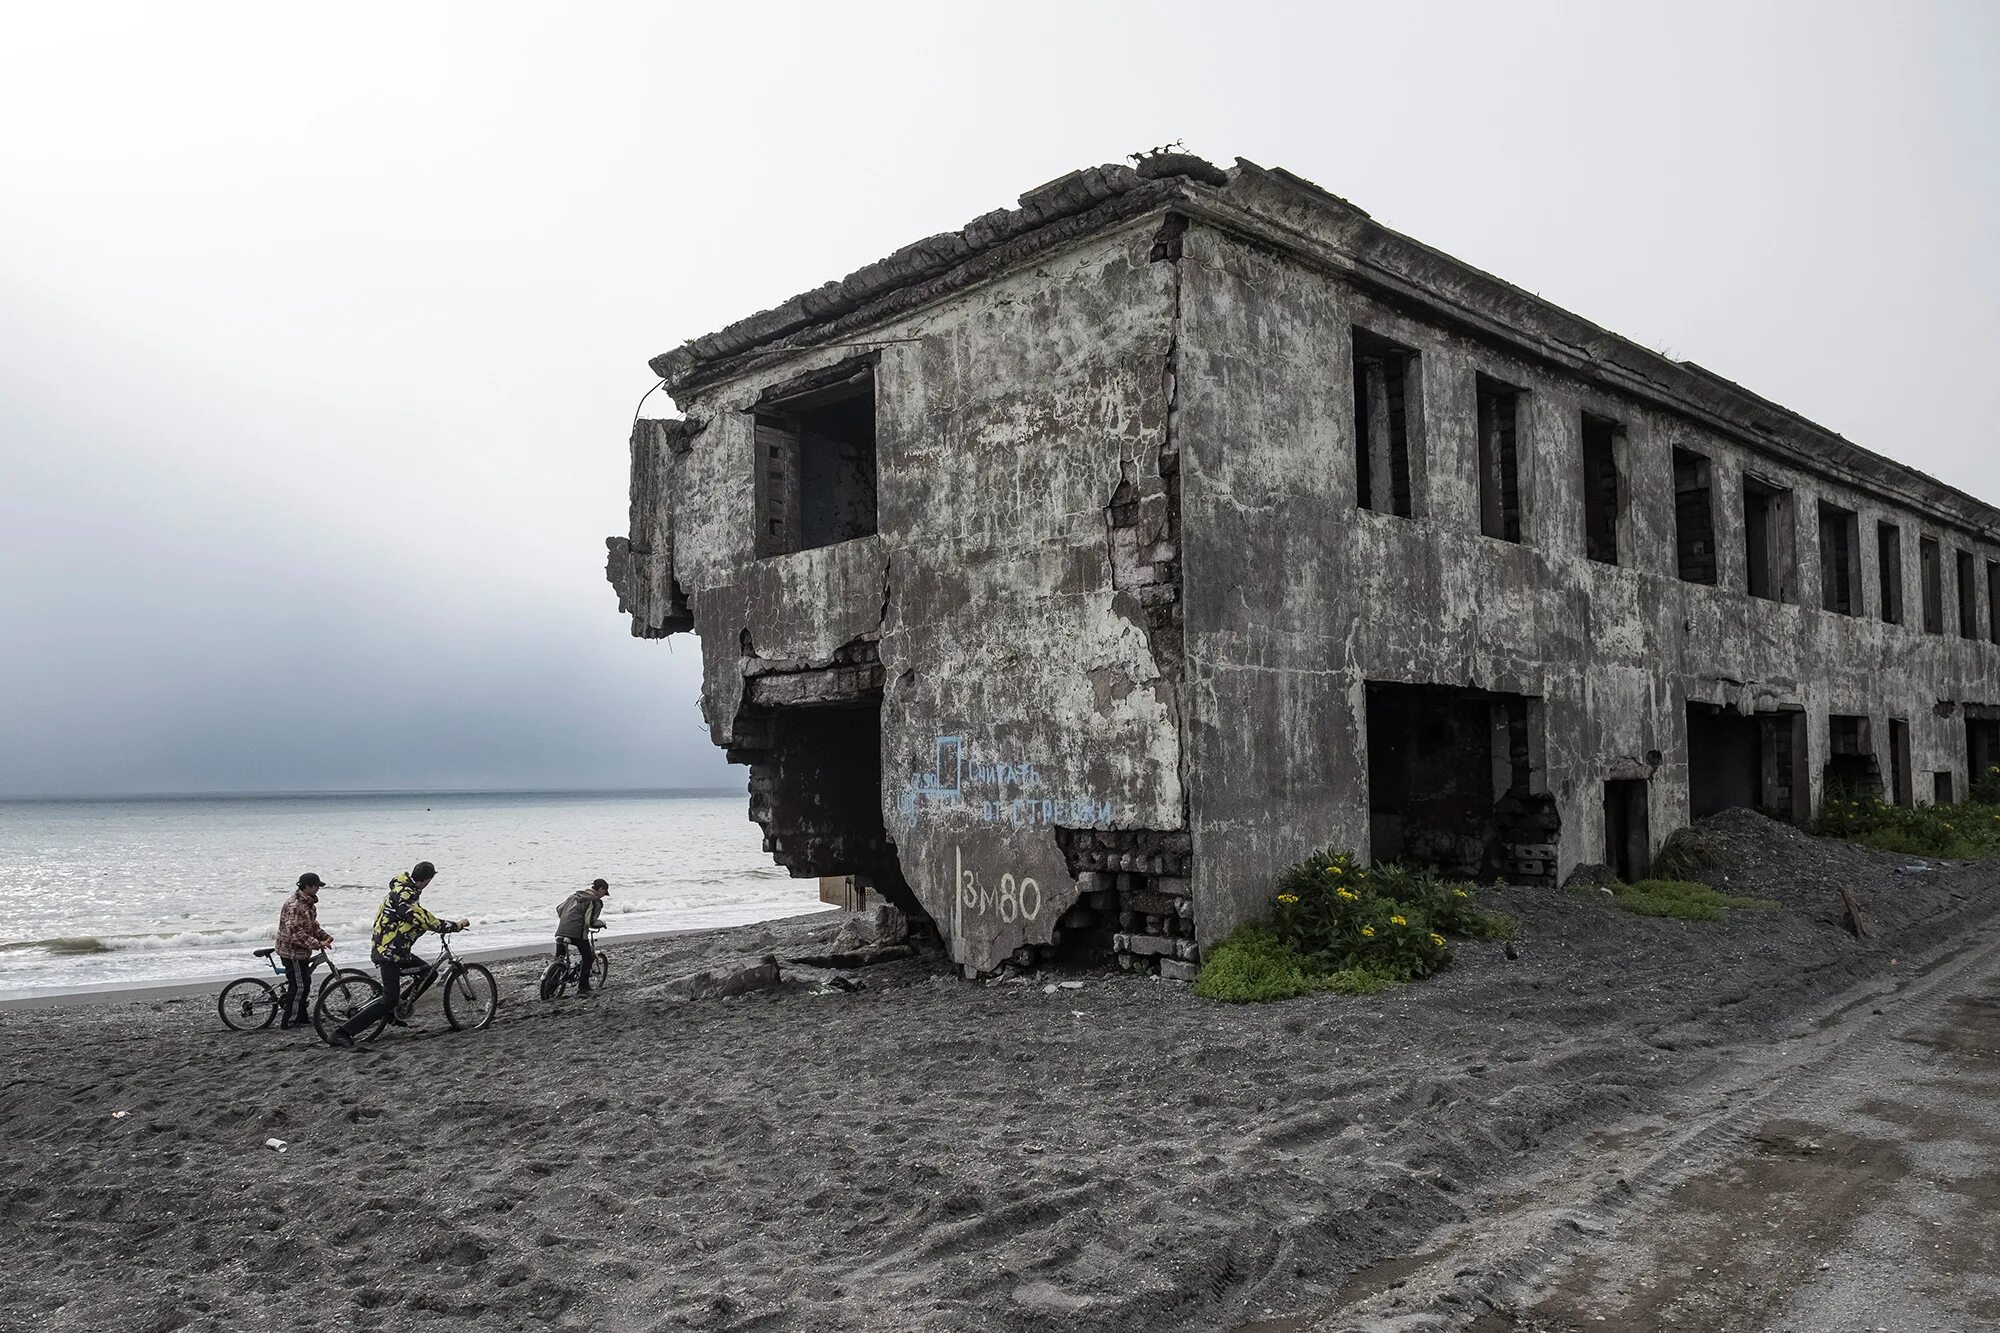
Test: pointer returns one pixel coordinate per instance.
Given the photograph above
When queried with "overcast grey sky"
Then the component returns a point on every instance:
(321, 328)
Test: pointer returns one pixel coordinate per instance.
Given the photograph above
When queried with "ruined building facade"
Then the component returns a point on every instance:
(1068, 575)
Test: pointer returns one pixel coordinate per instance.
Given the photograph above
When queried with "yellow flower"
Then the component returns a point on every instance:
(1458, 893)
(1368, 931)
(1397, 921)
(1437, 939)
(1335, 869)
(1288, 898)
(1343, 893)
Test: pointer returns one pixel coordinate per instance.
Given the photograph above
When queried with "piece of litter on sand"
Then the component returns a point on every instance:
(1070, 985)
(1049, 989)
(120, 1115)
(278, 1144)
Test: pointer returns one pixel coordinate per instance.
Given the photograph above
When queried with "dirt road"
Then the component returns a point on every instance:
(1845, 1177)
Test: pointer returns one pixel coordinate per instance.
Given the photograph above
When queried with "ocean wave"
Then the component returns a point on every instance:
(70, 944)
(695, 907)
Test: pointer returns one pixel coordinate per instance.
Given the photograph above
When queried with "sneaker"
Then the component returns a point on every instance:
(584, 992)
(340, 1040)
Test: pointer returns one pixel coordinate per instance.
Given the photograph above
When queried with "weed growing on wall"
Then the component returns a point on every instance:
(1960, 832)
(1337, 926)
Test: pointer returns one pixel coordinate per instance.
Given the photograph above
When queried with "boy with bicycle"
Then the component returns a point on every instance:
(299, 938)
(579, 914)
(399, 923)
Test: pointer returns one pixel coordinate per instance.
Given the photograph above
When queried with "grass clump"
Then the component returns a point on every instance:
(1336, 926)
(1253, 966)
(1682, 900)
(1962, 832)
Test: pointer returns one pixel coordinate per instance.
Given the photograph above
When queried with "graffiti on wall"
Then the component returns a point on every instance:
(1008, 898)
(995, 791)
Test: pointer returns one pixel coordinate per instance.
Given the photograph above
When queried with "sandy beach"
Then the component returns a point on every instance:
(927, 1153)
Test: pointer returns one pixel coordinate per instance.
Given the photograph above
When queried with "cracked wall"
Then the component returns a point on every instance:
(1116, 632)
(1015, 589)
(1297, 598)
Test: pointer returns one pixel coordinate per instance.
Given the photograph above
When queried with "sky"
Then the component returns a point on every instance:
(321, 329)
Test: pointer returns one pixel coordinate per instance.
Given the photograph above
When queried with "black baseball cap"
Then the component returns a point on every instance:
(311, 881)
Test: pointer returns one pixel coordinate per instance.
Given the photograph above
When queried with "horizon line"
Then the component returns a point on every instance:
(304, 793)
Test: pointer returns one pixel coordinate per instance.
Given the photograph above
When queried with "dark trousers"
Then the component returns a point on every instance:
(384, 1005)
(589, 956)
(298, 976)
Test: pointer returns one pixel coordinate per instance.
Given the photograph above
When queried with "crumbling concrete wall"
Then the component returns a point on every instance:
(1296, 597)
(1022, 692)
(1118, 625)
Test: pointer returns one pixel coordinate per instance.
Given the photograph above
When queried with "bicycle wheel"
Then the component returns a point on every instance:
(319, 991)
(600, 968)
(341, 999)
(553, 978)
(247, 1004)
(470, 998)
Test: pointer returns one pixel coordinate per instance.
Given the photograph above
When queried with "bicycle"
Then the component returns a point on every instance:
(470, 996)
(564, 971)
(250, 1004)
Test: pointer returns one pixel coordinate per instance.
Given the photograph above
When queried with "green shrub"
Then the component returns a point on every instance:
(1683, 900)
(1986, 787)
(1952, 832)
(1337, 926)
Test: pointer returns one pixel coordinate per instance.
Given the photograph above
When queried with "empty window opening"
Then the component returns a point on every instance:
(1457, 782)
(1993, 601)
(1744, 762)
(1384, 376)
(1968, 596)
(1499, 459)
(1628, 849)
(816, 472)
(1603, 486)
(1852, 771)
(1982, 751)
(1694, 516)
(1941, 789)
(1889, 570)
(1902, 779)
(1930, 566)
(1767, 541)
(1839, 559)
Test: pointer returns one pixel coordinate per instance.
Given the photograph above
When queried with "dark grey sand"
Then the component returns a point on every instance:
(924, 1154)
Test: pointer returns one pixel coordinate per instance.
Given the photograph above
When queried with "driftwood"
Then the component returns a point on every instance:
(1858, 920)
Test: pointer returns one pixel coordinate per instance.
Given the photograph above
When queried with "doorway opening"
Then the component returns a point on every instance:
(1628, 843)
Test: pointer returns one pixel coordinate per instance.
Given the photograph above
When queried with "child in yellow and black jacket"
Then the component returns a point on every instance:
(399, 923)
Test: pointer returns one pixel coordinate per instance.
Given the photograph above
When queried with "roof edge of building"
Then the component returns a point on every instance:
(1255, 200)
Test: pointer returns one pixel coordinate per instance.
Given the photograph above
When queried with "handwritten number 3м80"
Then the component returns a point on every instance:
(1016, 900)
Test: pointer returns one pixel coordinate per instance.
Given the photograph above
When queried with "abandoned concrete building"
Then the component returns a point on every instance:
(1066, 576)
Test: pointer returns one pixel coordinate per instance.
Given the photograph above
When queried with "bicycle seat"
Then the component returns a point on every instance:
(265, 953)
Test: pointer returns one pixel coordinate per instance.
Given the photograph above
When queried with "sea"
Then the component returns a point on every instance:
(153, 890)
